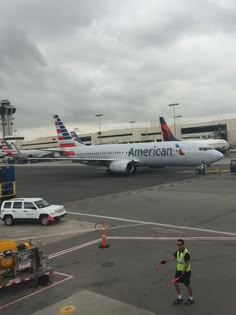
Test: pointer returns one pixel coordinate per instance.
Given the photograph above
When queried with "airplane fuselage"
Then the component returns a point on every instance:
(125, 158)
(150, 154)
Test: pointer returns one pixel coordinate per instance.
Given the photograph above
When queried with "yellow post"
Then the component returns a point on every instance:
(14, 188)
(68, 310)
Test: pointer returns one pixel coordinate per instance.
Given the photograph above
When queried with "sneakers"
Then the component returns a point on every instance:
(188, 302)
(178, 301)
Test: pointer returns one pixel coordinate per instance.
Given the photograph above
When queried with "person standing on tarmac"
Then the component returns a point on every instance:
(203, 168)
(183, 272)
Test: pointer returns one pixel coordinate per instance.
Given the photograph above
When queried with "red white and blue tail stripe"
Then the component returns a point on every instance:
(65, 140)
(8, 148)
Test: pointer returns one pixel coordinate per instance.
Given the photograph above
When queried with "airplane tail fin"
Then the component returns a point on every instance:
(166, 132)
(66, 143)
(76, 138)
(7, 148)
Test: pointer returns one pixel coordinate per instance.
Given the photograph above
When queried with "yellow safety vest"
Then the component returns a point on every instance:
(180, 260)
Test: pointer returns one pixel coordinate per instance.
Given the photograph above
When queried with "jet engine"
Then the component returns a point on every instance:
(56, 154)
(122, 166)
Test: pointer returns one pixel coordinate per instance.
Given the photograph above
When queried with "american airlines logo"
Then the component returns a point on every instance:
(151, 152)
(180, 151)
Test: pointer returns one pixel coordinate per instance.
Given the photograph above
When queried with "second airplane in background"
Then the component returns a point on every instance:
(218, 144)
(125, 158)
(11, 150)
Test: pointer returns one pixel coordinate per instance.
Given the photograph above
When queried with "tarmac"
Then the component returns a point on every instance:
(46, 234)
(199, 194)
(100, 305)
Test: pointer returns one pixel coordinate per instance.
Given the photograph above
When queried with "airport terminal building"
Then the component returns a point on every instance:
(225, 129)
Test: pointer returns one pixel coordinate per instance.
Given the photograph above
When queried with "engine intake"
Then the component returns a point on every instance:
(123, 166)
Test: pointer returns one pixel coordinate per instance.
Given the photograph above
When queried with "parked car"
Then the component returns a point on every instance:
(232, 166)
(30, 209)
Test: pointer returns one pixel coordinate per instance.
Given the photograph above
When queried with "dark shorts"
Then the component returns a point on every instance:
(186, 278)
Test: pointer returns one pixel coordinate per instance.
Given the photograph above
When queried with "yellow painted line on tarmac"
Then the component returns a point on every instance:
(218, 171)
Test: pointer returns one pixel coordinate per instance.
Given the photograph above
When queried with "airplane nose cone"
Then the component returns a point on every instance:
(218, 155)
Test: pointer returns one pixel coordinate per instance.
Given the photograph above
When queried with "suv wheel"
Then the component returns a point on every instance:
(8, 220)
(44, 219)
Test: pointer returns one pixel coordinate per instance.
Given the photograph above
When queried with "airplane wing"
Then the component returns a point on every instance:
(101, 162)
(53, 150)
(88, 161)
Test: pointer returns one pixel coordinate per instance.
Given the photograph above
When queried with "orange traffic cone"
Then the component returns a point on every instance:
(104, 236)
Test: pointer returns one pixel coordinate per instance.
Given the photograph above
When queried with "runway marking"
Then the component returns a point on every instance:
(66, 277)
(153, 223)
(119, 227)
(35, 291)
(68, 250)
(171, 238)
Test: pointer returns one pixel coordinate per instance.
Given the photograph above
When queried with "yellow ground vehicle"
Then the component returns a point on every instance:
(20, 262)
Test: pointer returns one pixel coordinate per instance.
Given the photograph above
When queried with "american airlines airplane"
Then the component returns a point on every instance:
(7, 148)
(125, 158)
(11, 150)
(218, 144)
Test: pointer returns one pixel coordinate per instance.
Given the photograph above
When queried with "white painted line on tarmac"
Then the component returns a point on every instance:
(68, 250)
(188, 238)
(154, 223)
(124, 226)
(66, 277)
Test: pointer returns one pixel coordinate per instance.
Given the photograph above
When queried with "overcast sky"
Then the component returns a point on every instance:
(126, 59)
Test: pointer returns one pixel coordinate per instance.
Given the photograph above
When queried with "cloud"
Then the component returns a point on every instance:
(127, 59)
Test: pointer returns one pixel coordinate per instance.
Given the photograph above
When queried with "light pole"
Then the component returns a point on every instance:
(173, 105)
(132, 122)
(99, 125)
(178, 116)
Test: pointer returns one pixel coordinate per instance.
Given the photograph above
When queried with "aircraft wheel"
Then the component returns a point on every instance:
(197, 171)
(109, 172)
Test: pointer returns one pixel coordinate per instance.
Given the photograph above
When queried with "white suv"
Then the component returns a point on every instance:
(30, 209)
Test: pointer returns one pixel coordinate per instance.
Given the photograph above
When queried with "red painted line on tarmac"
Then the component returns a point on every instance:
(65, 276)
(35, 291)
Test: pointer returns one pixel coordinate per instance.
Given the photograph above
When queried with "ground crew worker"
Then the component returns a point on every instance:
(203, 168)
(183, 271)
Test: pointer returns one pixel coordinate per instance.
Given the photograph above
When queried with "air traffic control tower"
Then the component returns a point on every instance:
(6, 112)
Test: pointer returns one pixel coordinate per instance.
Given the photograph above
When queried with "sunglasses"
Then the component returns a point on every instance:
(180, 244)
